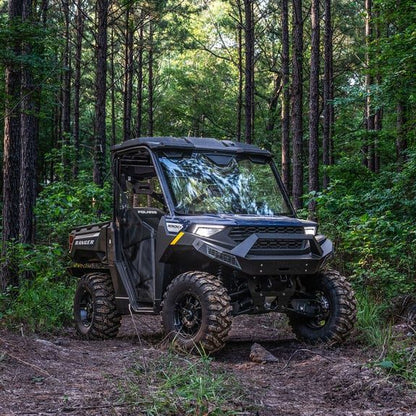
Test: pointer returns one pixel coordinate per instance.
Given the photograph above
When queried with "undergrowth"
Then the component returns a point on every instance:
(43, 300)
(370, 219)
(391, 338)
(177, 385)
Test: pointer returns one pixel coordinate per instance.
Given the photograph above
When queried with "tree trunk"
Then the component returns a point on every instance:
(297, 97)
(77, 84)
(11, 151)
(100, 92)
(273, 101)
(28, 141)
(369, 116)
(240, 69)
(139, 98)
(378, 125)
(314, 107)
(249, 70)
(66, 94)
(285, 96)
(128, 77)
(151, 81)
(328, 95)
(378, 116)
(113, 90)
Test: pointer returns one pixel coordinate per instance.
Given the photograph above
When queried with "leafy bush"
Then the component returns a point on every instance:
(61, 206)
(370, 218)
(43, 302)
(371, 221)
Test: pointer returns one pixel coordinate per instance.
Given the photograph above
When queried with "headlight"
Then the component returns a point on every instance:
(207, 230)
(310, 230)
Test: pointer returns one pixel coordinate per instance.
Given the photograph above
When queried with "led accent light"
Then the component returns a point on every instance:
(207, 230)
(311, 230)
(173, 227)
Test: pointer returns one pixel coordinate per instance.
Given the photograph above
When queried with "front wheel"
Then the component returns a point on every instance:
(95, 312)
(333, 300)
(196, 312)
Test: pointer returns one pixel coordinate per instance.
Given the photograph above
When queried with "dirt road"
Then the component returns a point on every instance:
(61, 375)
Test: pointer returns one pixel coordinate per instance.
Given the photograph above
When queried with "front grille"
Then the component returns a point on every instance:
(268, 246)
(278, 244)
(239, 234)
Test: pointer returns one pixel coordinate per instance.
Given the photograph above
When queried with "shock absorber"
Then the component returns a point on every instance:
(219, 272)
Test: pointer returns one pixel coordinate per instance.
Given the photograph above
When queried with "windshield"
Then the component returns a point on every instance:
(223, 184)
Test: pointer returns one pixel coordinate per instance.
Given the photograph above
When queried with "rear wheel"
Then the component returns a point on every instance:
(196, 312)
(95, 312)
(333, 299)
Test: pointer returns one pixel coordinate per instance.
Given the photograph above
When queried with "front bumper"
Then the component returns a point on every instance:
(308, 261)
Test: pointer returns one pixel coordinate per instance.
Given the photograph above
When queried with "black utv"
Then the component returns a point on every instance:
(203, 230)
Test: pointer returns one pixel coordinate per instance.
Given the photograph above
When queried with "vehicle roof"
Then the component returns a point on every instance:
(190, 143)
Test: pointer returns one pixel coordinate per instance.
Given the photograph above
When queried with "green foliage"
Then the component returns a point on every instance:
(393, 345)
(370, 322)
(43, 302)
(61, 206)
(401, 359)
(371, 220)
(172, 385)
(396, 52)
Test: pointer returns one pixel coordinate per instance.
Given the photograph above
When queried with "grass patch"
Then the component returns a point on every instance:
(373, 328)
(394, 345)
(175, 385)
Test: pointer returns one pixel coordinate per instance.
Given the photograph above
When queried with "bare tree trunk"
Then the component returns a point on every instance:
(151, 82)
(328, 87)
(28, 141)
(240, 69)
(273, 101)
(249, 70)
(285, 96)
(66, 94)
(139, 98)
(113, 90)
(297, 97)
(314, 107)
(11, 151)
(77, 83)
(369, 116)
(128, 77)
(378, 116)
(100, 92)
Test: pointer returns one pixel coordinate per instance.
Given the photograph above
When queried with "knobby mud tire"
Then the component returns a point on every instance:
(95, 312)
(338, 325)
(196, 312)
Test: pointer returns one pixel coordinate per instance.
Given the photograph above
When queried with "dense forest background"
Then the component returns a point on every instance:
(328, 86)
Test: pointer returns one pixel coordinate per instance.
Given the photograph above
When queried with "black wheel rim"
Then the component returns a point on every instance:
(86, 309)
(324, 311)
(187, 315)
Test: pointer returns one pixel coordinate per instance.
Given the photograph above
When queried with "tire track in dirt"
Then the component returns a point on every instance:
(62, 375)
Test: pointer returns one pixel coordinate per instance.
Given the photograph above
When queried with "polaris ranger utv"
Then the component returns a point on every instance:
(203, 230)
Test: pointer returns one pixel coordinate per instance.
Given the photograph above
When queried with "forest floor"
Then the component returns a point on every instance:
(62, 375)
